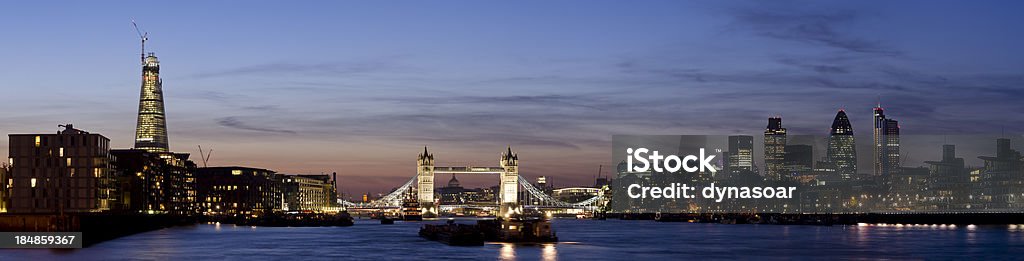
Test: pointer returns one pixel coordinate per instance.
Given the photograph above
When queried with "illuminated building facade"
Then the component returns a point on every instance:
(5, 188)
(307, 193)
(774, 149)
(509, 182)
(69, 171)
(886, 144)
(151, 131)
(238, 190)
(156, 183)
(741, 154)
(842, 150)
(452, 193)
(908, 188)
(455, 194)
(481, 195)
(425, 181)
(575, 194)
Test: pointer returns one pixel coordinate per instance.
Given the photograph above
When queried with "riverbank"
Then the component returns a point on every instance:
(95, 227)
(342, 219)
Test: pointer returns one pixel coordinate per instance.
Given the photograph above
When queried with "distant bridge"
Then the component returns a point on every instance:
(422, 185)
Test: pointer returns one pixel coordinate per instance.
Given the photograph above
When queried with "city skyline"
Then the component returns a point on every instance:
(341, 104)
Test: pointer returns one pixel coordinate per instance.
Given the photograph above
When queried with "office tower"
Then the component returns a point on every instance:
(691, 145)
(774, 149)
(842, 150)
(69, 171)
(151, 131)
(886, 143)
(798, 160)
(726, 157)
(741, 154)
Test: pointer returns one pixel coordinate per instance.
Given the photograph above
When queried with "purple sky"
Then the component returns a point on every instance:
(359, 88)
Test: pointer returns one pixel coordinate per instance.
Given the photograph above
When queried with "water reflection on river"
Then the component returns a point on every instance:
(581, 239)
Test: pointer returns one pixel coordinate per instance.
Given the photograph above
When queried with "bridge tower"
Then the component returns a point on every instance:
(509, 183)
(425, 183)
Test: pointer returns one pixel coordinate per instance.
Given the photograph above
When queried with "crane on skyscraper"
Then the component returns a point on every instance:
(143, 36)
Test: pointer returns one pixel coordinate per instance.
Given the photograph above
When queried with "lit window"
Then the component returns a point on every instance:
(33, 182)
(61, 152)
(236, 172)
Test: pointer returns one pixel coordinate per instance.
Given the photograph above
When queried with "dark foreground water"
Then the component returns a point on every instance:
(581, 239)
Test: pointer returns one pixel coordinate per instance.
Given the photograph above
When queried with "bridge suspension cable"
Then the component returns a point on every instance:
(393, 199)
(547, 200)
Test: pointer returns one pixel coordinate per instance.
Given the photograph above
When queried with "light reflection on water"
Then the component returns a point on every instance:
(580, 239)
(549, 253)
(508, 251)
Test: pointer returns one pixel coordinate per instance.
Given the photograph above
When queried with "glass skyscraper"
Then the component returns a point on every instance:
(842, 150)
(741, 154)
(151, 131)
(886, 143)
(774, 149)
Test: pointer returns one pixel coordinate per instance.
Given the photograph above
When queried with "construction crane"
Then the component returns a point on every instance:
(143, 36)
(206, 157)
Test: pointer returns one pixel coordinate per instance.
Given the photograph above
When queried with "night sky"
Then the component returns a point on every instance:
(359, 88)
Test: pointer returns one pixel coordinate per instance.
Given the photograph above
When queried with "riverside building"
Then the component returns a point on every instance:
(69, 171)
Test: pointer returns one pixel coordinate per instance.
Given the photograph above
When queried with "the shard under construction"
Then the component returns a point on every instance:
(151, 131)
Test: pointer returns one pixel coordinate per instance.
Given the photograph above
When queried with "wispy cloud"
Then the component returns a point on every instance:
(815, 28)
(821, 68)
(593, 102)
(234, 122)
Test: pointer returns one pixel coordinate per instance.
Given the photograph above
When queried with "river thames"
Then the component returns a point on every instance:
(580, 239)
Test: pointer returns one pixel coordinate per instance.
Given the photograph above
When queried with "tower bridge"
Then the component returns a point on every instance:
(422, 186)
